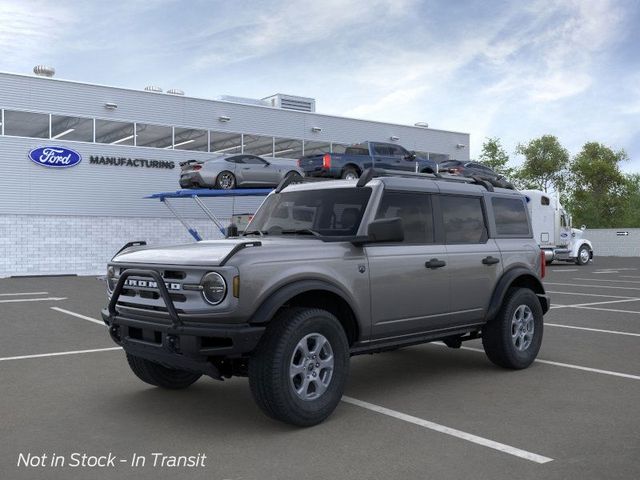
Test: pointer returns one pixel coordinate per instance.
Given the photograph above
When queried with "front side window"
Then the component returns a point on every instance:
(327, 212)
(463, 219)
(415, 211)
(251, 160)
(511, 217)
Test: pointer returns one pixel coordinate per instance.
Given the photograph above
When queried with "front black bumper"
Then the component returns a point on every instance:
(192, 347)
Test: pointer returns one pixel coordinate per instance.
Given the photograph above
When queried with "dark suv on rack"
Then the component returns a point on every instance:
(329, 270)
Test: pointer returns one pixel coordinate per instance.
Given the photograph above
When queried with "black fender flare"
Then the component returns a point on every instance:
(505, 282)
(275, 300)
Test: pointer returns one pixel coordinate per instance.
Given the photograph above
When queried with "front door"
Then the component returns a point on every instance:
(409, 280)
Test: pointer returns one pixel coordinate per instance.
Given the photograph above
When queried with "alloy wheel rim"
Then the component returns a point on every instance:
(226, 181)
(311, 366)
(584, 255)
(522, 328)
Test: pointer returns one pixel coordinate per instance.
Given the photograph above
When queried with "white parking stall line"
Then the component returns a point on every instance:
(597, 330)
(47, 299)
(562, 271)
(629, 276)
(577, 305)
(58, 354)
(592, 286)
(565, 365)
(22, 293)
(610, 281)
(74, 314)
(589, 294)
(610, 310)
(485, 442)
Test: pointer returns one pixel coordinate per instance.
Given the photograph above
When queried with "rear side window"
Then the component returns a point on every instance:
(463, 219)
(415, 211)
(356, 151)
(511, 216)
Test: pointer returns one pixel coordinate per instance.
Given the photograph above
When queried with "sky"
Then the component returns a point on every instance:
(509, 69)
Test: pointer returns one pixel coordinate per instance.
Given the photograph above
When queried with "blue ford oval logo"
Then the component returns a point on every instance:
(55, 157)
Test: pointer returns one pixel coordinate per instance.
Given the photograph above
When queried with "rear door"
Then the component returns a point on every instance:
(382, 156)
(409, 280)
(475, 263)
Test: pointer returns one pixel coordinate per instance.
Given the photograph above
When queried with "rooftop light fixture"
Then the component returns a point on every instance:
(124, 139)
(224, 118)
(316, 129)
(62, 134)
(461, 145)
(394, 138)
(110, 106)
(422, 124)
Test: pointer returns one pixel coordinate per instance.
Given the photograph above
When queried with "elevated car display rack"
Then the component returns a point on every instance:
(196, 195)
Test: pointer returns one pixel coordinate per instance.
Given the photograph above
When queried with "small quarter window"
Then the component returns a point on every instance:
(545, 200)
(511, 216)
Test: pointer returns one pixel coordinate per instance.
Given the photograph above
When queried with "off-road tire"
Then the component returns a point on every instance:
(350, 172)
(220, 180)
(159, 375)
(579, 260)
(269, 366)
(497, 333)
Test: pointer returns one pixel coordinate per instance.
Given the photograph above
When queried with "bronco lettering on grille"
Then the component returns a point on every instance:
(130, 282)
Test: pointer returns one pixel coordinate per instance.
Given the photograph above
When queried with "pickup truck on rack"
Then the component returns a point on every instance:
(328, 270)
(357, 158)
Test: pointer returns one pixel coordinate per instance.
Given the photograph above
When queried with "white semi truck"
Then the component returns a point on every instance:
(553, 231)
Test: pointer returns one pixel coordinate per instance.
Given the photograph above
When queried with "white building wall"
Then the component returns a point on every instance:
(59, 245)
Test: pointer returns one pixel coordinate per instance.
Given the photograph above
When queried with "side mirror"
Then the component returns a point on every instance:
(386, 230)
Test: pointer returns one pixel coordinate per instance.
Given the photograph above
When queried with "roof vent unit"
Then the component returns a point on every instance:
(291, 102)
(153, 88)
(175, 91)
(243, 100)
(44, 71)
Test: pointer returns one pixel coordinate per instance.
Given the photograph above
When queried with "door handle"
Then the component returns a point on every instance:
(435, 263)
(490, 260)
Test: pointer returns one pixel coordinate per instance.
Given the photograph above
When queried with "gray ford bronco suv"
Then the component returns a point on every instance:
(328, 270)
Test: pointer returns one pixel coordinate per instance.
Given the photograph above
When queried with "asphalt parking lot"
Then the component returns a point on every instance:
(426, 412)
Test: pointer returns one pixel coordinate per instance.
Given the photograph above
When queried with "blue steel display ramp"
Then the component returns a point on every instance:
(197, 194)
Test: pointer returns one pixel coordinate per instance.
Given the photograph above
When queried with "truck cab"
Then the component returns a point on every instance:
(552, 228)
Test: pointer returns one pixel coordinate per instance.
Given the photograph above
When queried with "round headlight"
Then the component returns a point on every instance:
(111, 273)
(214, 288)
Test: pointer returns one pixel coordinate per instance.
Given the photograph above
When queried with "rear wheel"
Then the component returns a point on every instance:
(350, 173)
(299, 370)
(225, 180)
(159, 375)
(513, 338)
(584, 255)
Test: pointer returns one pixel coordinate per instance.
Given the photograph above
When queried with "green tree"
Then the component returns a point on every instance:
(495, 157)
(600, 192)
(545, 164)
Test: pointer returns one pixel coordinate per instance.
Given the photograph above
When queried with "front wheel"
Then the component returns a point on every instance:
(159, 375)
(513, 338)
(298, 372)
(584, 255)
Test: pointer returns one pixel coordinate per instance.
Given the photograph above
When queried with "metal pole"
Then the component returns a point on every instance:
(209, 214)
(194, 233)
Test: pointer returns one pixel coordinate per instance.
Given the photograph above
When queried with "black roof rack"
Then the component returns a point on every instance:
(487, 182)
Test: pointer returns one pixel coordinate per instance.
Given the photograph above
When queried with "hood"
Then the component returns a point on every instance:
(206, 253)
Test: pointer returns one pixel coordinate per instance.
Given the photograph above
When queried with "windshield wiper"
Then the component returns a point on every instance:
(301, 231)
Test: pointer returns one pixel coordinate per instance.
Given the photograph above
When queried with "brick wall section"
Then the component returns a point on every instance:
(606, 242)
(55, 245)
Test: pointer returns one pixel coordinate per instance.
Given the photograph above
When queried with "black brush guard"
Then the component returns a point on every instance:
(181, 346)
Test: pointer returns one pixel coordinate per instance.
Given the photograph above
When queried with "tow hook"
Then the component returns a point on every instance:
(173, 343)
(114, 331)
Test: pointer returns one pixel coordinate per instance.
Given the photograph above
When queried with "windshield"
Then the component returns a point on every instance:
(323, 212)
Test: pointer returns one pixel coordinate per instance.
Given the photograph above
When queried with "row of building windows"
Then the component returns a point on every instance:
(95, 130)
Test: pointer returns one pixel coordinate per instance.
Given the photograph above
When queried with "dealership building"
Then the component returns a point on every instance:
(127, 144)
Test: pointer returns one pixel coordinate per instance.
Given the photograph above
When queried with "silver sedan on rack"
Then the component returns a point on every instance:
(234, 171)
